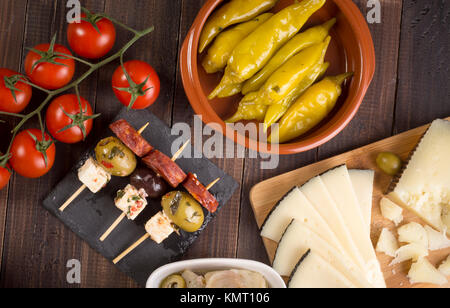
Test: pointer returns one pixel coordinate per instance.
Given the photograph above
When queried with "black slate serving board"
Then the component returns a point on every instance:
(89, 216)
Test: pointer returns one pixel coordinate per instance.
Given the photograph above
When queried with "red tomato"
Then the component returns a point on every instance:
(139, 72)
(57, 120)
(86, 41)
(7, 101)
(26, 159)
(5, 175)
(48, 75)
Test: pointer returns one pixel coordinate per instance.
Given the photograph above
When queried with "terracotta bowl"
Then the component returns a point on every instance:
(351, 50)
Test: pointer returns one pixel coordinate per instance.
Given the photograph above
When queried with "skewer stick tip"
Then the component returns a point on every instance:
(212, 184)
(143, 128)
(181, 150)
(73, 197)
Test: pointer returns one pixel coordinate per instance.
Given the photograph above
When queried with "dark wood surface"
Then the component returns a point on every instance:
(411, 88)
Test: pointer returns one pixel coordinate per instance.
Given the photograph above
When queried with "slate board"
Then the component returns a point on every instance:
(89, 216)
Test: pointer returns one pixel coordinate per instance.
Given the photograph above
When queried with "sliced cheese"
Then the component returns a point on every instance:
(445, 267)
(424, 186)
(391, 211)
(338, 184)
(423, 271)
(436, 240)
(319, 197)
(362, 181)
(295, 206)
(298, 239)
(314, 272)
(413, 233)
(387, 243)
(410, 252)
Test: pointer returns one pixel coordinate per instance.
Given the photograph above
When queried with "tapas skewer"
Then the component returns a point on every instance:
(136, 197)
(94, 176)
(159, 227)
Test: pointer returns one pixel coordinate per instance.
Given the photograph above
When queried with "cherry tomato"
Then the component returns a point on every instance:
(64, 112)
(48, 75)
(5, 175)
(27, 157)
(86, 41)
(139, 72)
(22, 97)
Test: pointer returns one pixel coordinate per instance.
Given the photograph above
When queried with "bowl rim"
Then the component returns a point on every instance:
(191, 84)
(211, 264)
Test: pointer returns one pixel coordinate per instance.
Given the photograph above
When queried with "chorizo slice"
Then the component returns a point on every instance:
(165, 167)
(131, 138)
(200, 193)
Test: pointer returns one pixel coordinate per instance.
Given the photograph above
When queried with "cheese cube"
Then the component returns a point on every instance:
(425, 184)
(159, 227)
(131, 201)
(93, 176)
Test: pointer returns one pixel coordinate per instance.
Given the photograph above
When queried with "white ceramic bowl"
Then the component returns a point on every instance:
(207, 265)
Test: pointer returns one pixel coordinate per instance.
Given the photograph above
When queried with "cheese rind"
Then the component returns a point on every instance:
(363, 181)
(338, 184)
(314, 272)
(387, 243)
(424, 186)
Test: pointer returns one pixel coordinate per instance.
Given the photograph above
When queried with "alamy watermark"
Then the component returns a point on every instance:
(74, 274)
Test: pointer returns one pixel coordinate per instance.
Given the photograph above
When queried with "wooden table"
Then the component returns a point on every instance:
(411, 88)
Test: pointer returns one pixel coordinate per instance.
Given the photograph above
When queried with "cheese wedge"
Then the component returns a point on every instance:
(423, 271)
(314, 272)
(338, 184)
(298, 239)
(424, 186)
(295, 206)
(319, 197)
(436, 240)
(362, 181)
(387, 243)
(413, 233)
(445, 267)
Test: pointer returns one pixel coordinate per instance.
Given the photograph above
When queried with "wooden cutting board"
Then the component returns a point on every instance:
(265, 195)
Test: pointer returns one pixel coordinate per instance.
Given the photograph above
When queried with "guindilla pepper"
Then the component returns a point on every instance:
(220, 51)
(298, 43)
(290, 74)
(265, 41)
(309, 110)
(278, 110)
(249, 110)
(234, 12)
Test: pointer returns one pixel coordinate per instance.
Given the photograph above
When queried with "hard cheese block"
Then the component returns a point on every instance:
(339, 185)
(424, 186)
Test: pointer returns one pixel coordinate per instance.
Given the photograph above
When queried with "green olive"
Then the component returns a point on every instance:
(389, 163)
(183, 210)
(115, 157)
(174, 282)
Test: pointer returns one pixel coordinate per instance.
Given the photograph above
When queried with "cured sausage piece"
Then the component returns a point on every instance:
(200, 193)
(165, 167)
(131, 138)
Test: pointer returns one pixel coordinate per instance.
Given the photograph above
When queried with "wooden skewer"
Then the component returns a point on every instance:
(147, 235)
(122, 217)
(83, 187)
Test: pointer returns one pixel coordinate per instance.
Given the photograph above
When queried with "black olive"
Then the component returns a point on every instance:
(154, 186)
